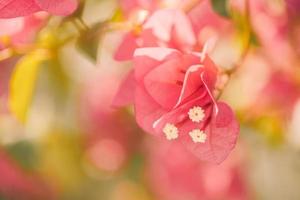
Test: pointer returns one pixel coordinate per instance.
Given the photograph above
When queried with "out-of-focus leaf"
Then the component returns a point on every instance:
(22, 83)
(59, 81)
(271, 128)
(24, 153)
(135, 169)
(88, 41)
(61, 161)
(221, 7)
(254, 39)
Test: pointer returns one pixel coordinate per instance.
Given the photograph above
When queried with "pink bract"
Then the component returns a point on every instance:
(166, 28)
(168, 84)
(17, 8)
(21, 31)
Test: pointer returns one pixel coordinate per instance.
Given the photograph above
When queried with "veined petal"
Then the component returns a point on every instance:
(58, 7)
(17, 8)
(222, 133)
(126, 91)
(161, 85)
(179, 116)
(146, 109)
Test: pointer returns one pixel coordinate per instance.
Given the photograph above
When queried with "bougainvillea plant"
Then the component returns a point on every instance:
(98, 93)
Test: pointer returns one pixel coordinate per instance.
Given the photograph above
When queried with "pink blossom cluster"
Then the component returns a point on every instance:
(173, 80)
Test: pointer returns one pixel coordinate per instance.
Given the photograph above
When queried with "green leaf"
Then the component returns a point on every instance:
(221, 7)
(89, 40)
(22, 84)
(24, 153)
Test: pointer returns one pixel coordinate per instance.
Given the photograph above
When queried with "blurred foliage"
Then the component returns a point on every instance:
(25, 154)
(23, 82)
(221, 7)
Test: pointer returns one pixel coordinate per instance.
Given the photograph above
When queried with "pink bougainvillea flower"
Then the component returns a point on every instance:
(20, 32)
(166, 28)
(173, 99)
(17, 8)
(174, 173)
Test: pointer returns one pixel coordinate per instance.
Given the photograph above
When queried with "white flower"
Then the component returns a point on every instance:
(170, 131)
(196, 114)
(197, 136)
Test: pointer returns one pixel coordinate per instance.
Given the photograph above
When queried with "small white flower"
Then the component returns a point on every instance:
(196, 114)
(197, 136)
(170, 131)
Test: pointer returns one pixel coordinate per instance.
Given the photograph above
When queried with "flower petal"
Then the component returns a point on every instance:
(156, 53)
(211, 71)
(161, 22)
(17, 8)
(11, 26)
(146, 59)
(126, 48)
(125, 93)
(146, 109)
(161, 85)
(179, 116)
(58, 7)
(184, 34)
(222, 133)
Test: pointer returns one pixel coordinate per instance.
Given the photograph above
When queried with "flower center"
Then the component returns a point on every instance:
(171, 131)
(197, 136)
(196, 114)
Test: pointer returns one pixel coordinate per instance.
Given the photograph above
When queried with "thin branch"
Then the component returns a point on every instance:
(244, 53)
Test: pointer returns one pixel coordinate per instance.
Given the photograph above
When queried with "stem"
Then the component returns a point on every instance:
(84, 25)
(244, 53)
(79, 24)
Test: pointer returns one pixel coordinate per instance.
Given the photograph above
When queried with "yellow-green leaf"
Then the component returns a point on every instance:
(23, 82)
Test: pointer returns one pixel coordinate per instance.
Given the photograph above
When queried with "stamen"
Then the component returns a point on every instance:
(196, 114)
(197, 136)
(171, 131)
